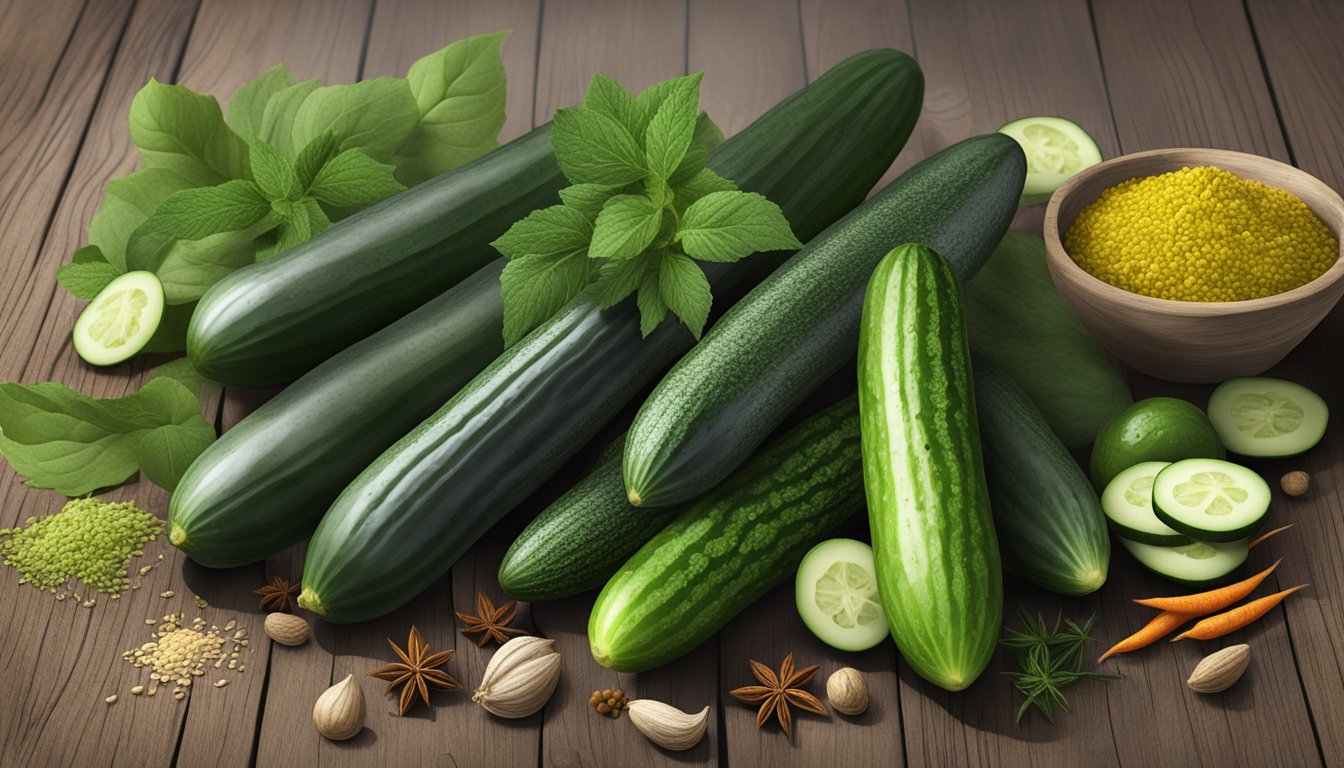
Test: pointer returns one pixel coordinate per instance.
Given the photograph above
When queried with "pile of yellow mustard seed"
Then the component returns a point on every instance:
(1201, 234)
(179, 654)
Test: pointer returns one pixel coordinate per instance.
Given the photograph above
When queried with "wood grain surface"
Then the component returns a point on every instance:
(1260, 76)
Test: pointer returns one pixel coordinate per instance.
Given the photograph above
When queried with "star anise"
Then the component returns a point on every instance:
(278, 595)
(777, 692)
(490, 623)
(416, 671)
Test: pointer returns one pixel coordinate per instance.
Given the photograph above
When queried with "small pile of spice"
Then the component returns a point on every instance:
(1201, 234)
(89, 540)
(609, 702)
(179, 653)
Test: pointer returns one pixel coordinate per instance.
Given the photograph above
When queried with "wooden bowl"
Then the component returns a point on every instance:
(1187, 340)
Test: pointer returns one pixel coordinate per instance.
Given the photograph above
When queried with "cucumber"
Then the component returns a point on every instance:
(425, 501)
(1056, 149)
(1128, 504)
(1196, 564)
(578, 542)
(1211, 500)
(1049, 523)
(1155, 429)
(796, 328)
(928, 506)
(120, 320)
(270, 322)
(731, 547)
(1266, 417)
(836, 594)
(265, 483)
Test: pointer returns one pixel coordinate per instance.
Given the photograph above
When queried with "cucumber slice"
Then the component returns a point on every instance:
(1128, 504)
(1211, 499)
(120, 320)
(1258, 416)
(1056, 149)
(1197, 564)
(836, 592)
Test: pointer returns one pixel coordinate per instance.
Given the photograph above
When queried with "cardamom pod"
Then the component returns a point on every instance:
(520, 678)
(1219, 670)
(667, 726)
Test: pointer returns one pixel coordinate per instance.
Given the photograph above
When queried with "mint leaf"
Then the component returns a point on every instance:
(273, 173)
(184, 132)
(670, 129)
(611, 99)
(594, 148)
(320, 151)
(183, 372)
(459, 94)
(189, 267)
(536, 286)
(648, 101)
(127, 202)
(546, 232)
(707, 134)
(277, 119)
(619, 279)
(588, 199)
(374, 115)
(625, 227)
(652, 310)
(75, 444)
(354, 178)
(194, 214)
(317, 217)
(296, 228)
(727, 226)
(88, 274)
(683, 287)
(699, 185)
(248, 104)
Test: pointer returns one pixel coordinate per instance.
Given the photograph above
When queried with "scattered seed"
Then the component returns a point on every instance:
(166, 593)
(136, 690)
(232, 623)
(111, 699)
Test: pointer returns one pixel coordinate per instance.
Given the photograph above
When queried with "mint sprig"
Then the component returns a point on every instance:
(641, 210)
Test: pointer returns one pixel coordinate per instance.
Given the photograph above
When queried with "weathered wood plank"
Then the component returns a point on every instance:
(1301, 46)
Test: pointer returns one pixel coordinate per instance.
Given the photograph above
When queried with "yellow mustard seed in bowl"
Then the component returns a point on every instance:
(1201, 234)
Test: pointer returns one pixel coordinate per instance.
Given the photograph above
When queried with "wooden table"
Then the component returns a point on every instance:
(1261, 76)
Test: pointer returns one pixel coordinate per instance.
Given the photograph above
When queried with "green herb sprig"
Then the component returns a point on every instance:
(1050, 658)
(641, 210)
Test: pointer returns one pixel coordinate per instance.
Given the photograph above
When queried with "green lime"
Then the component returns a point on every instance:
(1156, 429)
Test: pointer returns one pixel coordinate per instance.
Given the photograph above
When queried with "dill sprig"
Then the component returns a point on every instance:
(1051, 657)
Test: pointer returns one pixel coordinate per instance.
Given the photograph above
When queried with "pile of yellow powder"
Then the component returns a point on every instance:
(1201, 234)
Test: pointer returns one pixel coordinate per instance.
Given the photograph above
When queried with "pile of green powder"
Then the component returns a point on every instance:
(89, 540)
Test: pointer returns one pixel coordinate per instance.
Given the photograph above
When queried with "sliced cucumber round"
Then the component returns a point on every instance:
(1128, 504)
(1056, 149)
(1258, 416)
(836, 592)
(1211, 499)
(1197, 564)
(120, 320)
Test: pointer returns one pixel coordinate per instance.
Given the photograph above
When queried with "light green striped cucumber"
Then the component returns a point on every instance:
(732, 546)
(928, 505)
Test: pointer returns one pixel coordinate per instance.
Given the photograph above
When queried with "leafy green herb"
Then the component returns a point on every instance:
(217, 192)
(1049, 658)
(58, 438)
(642, 208)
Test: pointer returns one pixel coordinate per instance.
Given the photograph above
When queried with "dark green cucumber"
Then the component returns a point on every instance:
(1049, 523)
(928, 506)
(578, 542)
(425, 501)
(801, 324)
(265, 483)
(271, 322)
(732, 546)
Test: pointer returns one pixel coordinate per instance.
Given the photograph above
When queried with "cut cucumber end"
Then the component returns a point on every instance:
(1055, 148)
(1196, 564)
(1128, 505)
(1264, 417)
(836, 594)
(120, 320)
(1210, 499)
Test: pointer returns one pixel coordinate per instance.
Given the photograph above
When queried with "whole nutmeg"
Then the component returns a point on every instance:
(1295, 483)
(286, 628)
(1218, 671)
(339, 711)
(848, 691)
